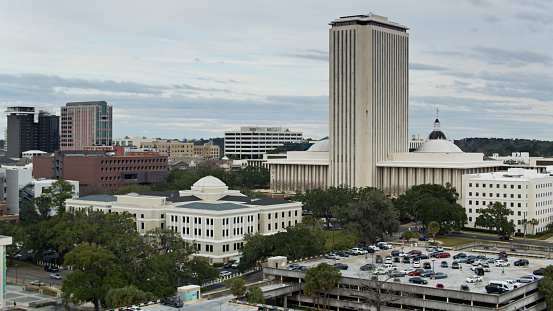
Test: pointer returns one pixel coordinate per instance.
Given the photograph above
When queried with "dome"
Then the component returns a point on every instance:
(437, 132)
(209, 182)
(439, 145)
(320, 146)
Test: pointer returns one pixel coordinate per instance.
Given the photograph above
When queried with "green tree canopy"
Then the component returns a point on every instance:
(326, 203)
(321, 278)
(238, 288)
(370, 216)
(126, 296)
(495, 217)
(255, 295)
(546, 286)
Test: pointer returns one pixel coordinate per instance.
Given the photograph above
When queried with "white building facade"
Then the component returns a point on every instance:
(368, 96)
(527, 193)
(209, 215)
(251, 142)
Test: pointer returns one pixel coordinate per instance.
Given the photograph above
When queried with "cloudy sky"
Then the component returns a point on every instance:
(194, 69)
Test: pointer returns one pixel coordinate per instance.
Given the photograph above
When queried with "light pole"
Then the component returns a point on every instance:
(433, 272)
(15, 273)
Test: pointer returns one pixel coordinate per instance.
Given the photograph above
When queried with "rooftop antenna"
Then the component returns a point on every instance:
(437, 111)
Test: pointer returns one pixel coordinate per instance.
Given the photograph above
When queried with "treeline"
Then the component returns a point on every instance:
(504, 147)
(251, 177)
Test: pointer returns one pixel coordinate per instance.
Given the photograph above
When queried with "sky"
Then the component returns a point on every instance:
(194, 69)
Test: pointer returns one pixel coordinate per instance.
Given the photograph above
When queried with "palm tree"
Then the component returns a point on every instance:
(322, 277)
(534, 222)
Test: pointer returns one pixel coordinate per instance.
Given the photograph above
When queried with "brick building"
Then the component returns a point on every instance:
(99, 171)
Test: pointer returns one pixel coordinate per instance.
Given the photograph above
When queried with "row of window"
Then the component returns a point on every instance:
(132, 161)
(131, 168)
(496, 195)
(496, 185)
(289, 214)
(491, 202)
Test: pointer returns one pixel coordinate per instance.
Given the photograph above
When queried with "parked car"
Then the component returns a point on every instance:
(430, 248)
(340, 266)
(332, 256)
(228, 265)
(423, 256)
(292, 267)
(456, 232)
(527, 279)
(440, 285)
(439, 249)
(502, 263)
(474, 279)
(224, 273)
(416, 272)
(235, 264)
(406, 271)
(539, 271)
(465, 288)
(397, 259)
(378, 259)
(172, 301)
(415, 252)
(367, 267)
(495, 289)
(440, 275)
(455, 265)
(418, 280)
(459, 255)
(416, 264)
(443, 255)
(444, 264)
(427, 274)
(37, 283)
(388, 259)
(406, 259)
(55, 276)
(395, 253)
(423, 238)
(521, 262)
(50, 268)
(426, 265)
(395, 274)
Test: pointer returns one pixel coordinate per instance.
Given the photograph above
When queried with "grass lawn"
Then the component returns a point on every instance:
(450, 241)
(243, 277)
(338, 236)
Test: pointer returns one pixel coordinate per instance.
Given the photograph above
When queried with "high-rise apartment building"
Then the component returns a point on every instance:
(86, 124)
(368, 100)
(31, 129)
(251, 142)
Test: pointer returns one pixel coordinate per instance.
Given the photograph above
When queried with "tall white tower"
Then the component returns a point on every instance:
(369, 100)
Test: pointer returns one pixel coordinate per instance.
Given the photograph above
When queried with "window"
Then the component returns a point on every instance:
(519, 214)
(519, 187)
(296, 213)
(276, 215)
(289, 214)
(483, 185)
(470, 184)
(141, 215)
(276, 225)
(512, 186)
(142, 225)
(470, 210)
(519, 195)
(162, 215)
(282, 214)
(476, 185)
(269, 228)
(269, 216)
(470, 193)
(282, 225)
(470, 218)
(470, 202)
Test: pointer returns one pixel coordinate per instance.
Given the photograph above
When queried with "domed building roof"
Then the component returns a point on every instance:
(320, 146)
(209, 182)
(439, 145)
(209, 188)
(437, 132)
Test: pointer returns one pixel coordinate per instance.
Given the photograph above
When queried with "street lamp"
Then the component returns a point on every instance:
(15, 273)
(433, 272)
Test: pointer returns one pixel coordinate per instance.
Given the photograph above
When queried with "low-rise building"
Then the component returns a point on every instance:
(527, 193)
(209, 215)
(251, 142)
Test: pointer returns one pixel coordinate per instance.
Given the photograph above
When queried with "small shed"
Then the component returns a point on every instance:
(188, 293)
(278, 262)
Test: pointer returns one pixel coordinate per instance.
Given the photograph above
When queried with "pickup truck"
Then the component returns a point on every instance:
(172, 301)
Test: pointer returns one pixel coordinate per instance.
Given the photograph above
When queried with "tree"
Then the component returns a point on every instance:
(255, 295)
(255, 177)
(96, 271)
(132, 188)
(202, 270)
(546, 286)
(434, 228)
(237, 288)
(371, 216)
(407, 235)
(495, 216)
(373, 290)
(324, 203)
(324, 278)
(126, 296)
(59, 191)
(534, 222)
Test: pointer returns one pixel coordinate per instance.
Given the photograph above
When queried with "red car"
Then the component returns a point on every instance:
(415, 252)
(416, 272)
(443, 255)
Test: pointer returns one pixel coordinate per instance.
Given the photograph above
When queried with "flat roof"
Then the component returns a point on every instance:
(98, 198)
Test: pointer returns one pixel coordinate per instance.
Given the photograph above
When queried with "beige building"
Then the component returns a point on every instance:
(369, 102)
(251, 142)
(209, 215)
(527, 193)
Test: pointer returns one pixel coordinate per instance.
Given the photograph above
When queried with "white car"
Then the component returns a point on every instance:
(474, 279)
(502, 263)
(388, 259)
(224, 273)
(406, 271)
(527, 279)
(439, 249)
(416, 264)
(381, 271)
(37, 283)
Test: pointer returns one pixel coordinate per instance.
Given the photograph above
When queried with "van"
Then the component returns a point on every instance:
(504, 285)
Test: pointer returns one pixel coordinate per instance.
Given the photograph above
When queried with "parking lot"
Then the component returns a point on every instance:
(455, 277)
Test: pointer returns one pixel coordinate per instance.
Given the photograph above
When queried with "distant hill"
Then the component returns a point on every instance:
(504, 147)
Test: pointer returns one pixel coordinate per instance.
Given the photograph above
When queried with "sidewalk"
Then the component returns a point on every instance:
(23, 298)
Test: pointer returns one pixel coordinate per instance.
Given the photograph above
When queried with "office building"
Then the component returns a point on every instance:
(527, 193)
(31, 129)
(251, 142)
(369, 102)
(100, 171)
(86, 124)
(209, 215)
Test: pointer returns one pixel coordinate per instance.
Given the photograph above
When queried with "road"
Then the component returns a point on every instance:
(485, 237)
(26, 272)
